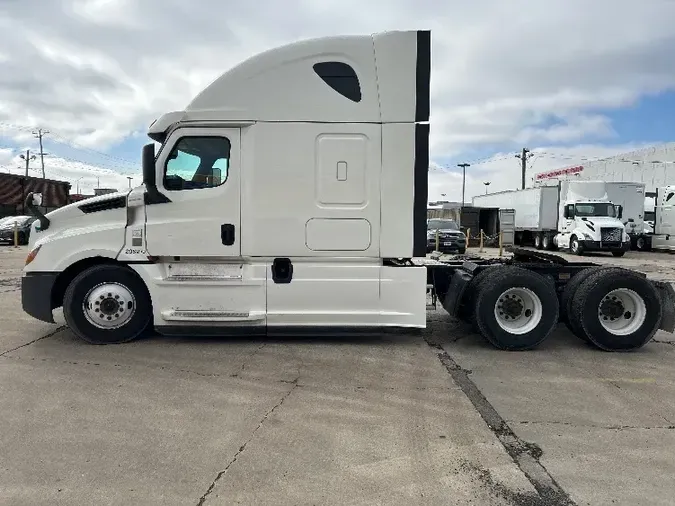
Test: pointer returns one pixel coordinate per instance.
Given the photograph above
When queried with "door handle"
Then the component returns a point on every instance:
(227, 234)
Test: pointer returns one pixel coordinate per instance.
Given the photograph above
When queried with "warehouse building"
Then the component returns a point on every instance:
(14, 188)
(653, 166)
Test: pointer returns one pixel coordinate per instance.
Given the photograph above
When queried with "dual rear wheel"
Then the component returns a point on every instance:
(517, 309)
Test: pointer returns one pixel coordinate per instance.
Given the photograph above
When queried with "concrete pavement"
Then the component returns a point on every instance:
(437, 417)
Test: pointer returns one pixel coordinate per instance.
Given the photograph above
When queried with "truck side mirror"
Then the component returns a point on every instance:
(150, 177)
(619, 212)
(148, 160)
(569, 211)
(37, 199)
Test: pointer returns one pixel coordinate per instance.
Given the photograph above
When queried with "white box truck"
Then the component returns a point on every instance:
(290, 196)
(576, 215)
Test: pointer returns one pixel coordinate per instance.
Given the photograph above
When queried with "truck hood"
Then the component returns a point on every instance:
(87, 206)
(92, 212)
(602, 221)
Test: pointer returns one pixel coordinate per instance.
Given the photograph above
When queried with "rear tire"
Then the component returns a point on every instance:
(538, 241)
(517, 309)
(107, 304)
(566, 298)
(468, 310)
(547, 242)
(618, 254)
(617, 309)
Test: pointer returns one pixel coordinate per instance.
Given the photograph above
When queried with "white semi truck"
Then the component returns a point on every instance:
(576, 215)
(659, 228)
(291, 196)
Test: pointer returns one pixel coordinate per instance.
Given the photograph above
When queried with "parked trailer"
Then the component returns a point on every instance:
(226, 236)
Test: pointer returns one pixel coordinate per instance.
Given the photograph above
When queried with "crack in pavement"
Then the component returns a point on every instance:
(593, 426)
(222, 473)
(658, 341)
(58, 329)
(248, 359)
(525, 455)
(125, 366)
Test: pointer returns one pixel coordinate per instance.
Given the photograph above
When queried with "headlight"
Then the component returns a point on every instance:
(588, 237)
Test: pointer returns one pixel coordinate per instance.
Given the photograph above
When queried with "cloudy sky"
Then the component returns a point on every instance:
(569, 79)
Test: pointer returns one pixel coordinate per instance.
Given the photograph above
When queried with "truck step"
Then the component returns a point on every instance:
(215, 315)
(431, 298)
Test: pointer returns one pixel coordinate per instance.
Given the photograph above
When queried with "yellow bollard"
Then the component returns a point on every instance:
(481, 240)
(468, 235)
(16, 235)
(438, 239)
(501, 242)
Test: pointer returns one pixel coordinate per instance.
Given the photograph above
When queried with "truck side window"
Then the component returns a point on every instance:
(197, 162)
(341, 77)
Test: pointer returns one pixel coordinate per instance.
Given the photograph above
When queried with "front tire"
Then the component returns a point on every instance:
(618, 254)
(517, 309)
(575, 246)
(107, 304)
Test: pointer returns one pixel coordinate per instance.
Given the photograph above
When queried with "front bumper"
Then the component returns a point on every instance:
(36, 294)
(599, 246)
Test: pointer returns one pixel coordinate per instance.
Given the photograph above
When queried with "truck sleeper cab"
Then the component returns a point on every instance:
(291, 195)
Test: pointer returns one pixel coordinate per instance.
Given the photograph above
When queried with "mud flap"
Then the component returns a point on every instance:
(667, 295)
(453, 298)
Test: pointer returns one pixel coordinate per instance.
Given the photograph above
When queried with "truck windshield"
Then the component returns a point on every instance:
(596, 209)
(442, 225)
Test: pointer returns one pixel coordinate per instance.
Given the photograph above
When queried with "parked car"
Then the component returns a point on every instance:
(450, 238)
(23, 226)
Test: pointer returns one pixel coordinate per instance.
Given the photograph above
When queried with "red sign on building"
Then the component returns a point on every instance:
(559, 172)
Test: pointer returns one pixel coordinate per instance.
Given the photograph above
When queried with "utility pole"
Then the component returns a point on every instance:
(39, 133)
(463, 166)
(27, 157)
(523, 164)
(486, 183)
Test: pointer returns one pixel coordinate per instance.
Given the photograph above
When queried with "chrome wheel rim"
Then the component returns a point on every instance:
(109, 306)
(622, 312)
(518, 310)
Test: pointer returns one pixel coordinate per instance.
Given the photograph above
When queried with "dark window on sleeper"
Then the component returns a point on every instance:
(341, 77)
(670, 196)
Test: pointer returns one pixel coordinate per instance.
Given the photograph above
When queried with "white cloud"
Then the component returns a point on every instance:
(96, 71)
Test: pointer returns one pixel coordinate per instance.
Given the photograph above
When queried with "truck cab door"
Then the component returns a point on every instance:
(198, 170)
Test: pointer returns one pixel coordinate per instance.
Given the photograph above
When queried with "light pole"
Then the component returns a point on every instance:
(129, 178)
(463, 166)
(77, 184)
(486, 183)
